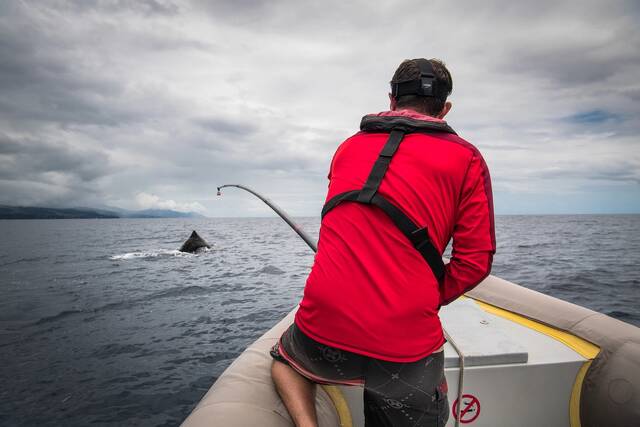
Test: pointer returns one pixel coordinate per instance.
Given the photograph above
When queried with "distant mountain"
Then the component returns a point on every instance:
(28, 212)
(22, 212)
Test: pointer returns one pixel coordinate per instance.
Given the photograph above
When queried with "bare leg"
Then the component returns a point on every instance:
(297, 393)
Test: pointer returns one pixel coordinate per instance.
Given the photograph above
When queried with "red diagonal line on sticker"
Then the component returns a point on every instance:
(468, 407)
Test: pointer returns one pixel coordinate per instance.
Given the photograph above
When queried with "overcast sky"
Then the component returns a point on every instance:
(141, 104)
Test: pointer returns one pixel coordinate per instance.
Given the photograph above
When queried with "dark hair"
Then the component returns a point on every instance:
(409, 70)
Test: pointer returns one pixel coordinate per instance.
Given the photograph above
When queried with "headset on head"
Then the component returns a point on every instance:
(425, 85)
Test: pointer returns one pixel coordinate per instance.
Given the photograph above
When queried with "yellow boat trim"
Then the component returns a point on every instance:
(574, 403)
(583, 347)
(342, 408)
(577, 344)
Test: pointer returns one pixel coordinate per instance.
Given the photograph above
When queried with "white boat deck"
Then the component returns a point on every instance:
(486, 339)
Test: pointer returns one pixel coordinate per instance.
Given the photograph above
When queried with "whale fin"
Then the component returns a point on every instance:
(194, 243)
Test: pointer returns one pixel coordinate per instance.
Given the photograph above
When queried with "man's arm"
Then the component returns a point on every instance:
(474, 241)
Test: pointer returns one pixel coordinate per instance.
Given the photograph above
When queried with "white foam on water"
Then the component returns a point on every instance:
(150, 254)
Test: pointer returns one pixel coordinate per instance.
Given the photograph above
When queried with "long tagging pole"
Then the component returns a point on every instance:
(279, 211)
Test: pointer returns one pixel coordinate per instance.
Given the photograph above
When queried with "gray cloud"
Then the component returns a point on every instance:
(35, 158)
(105, 101)
(229, 127)
(142, 7)
(49, 171)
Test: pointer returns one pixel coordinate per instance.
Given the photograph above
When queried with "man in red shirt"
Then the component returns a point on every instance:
(399, 190)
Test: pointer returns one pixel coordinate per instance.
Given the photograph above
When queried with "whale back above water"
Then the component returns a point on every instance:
(194, 244)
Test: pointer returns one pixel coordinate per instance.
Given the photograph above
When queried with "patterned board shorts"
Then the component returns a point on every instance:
(395, 394)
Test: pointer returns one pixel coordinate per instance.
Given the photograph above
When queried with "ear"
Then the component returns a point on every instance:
(445, 110)
(392, 103)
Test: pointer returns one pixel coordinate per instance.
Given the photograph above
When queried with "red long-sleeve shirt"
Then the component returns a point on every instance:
(370, 291)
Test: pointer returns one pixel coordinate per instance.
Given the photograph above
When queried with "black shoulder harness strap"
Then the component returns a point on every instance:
(397, 127)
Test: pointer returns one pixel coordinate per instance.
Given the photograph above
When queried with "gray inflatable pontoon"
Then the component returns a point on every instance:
(526, 359)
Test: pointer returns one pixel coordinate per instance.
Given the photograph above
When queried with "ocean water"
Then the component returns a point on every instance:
(103, 322)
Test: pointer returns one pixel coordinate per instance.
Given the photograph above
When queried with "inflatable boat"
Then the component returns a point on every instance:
(513, 357)
(526, 359)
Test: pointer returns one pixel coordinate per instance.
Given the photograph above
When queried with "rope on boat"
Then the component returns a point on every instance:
(460, 376)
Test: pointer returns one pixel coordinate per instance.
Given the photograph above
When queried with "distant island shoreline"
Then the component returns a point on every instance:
(28, 212)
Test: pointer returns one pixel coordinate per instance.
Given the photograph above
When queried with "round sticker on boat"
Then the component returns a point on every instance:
(469, 410)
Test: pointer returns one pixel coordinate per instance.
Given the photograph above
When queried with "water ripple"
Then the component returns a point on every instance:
(104, 322)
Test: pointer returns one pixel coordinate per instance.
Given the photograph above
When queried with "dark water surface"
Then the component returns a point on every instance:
(102, 322)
